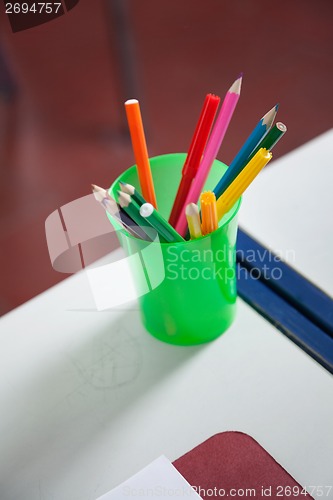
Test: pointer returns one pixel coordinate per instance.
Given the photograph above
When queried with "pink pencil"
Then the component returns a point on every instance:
(212, 148)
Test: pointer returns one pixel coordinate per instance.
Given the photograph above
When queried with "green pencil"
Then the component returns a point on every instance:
(270, 139)
(118, 213)
(163, 228)
(133, 210)
(134, 193)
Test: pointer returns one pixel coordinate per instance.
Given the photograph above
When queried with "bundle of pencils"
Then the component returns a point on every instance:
(138, 213)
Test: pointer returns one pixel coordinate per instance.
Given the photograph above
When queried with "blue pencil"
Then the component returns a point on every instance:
(240, 160)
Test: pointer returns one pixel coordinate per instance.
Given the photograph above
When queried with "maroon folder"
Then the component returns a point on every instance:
(233, 465)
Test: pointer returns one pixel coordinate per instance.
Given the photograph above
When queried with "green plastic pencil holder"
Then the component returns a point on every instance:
(187, 290)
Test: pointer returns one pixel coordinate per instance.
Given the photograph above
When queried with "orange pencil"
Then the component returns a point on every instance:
(208, 212)
(139, 145)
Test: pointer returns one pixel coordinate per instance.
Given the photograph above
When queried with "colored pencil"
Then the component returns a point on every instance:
(213, 146)
(139, 145)
(112, 207)
(133, 210)
(193, 220)
(195, 152)
(163, 228)
(242, 181)
(134, 193)
(271, 139)
(241, 159)
(208, 212)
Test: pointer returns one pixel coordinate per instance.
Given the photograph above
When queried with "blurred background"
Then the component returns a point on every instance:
(63, 85)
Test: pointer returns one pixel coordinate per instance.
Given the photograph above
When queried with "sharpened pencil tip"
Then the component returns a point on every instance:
(277, 106)
(124, 199)
(127, 188)
(98, 189)
(123, 186)
(99, 193)
(236, 86)
(269, 117)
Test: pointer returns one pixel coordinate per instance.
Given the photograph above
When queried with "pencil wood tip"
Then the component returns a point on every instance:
(99, 193)
(126, 188)
(269, 117)
(123, 195)
(124, 199)
(236, 86)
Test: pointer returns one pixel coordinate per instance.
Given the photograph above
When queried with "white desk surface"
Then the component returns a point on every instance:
(289, 208)
(88, 398)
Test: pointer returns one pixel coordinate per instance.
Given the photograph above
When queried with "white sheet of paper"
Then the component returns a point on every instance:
(159, 480)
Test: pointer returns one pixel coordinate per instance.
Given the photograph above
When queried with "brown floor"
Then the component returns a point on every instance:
(66, 126)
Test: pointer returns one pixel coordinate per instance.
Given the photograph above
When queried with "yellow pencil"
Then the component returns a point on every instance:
(134, 119)
(208, 212)
(193, 220)
(242, 181)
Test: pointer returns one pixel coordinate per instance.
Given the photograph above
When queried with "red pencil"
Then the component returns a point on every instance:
(195, 153)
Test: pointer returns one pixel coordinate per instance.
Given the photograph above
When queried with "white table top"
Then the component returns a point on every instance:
(289, 209)
(88, 398)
